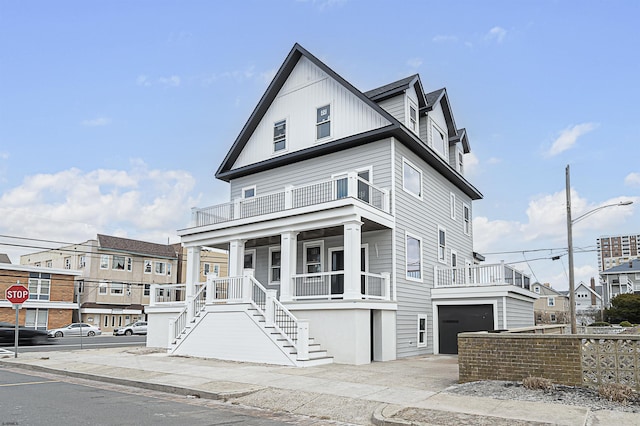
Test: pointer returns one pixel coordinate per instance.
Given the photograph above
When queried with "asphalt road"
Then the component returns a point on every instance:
(72, 343)
(45, 399)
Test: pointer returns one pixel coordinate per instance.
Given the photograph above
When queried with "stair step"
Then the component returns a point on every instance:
(315, 362)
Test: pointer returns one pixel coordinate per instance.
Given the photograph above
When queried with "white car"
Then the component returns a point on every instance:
(75, 329)
(138, 327)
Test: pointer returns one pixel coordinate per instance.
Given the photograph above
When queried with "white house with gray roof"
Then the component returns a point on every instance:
(621, 279)
(349, 232)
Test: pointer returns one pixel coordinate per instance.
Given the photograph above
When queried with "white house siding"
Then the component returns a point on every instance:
(519, 313)
(422, 218)
(375, 155)
(307, 89)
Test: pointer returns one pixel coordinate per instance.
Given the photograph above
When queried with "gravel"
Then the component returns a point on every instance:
(560, 394)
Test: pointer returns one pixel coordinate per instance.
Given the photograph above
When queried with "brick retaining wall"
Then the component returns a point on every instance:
(574, 360)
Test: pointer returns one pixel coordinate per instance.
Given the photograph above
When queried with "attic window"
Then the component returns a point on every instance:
(439, 141)
(280, 135)
(323, 122)
(413, 117)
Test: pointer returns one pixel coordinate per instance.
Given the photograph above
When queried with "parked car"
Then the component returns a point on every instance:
(26, 336)
(138, 327)
(75, 329)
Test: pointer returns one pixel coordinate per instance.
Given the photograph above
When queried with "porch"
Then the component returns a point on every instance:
(480, 275)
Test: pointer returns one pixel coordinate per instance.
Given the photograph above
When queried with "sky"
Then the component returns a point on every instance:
(115, 115)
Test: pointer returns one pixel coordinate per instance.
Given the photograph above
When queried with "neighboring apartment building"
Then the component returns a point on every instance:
(552, 307)
(51, 295)
(616, 250)
(213, 262)
(350, 222)
(621, 279)
(117, 274)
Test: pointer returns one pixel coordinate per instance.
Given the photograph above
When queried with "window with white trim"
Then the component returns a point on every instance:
(117, 288)
(422, 331)
(460, 162)
(274, 265)
(279, 135)
(553, 317)
(160, 268)
(48, 264)
(454, 265)
(536, 289)
(36, 318)
(551, 301)
(313, 257)
(82, 261)
(147, 267)
(411, 178)
(147, 290)
(67, 263)
(442, 245)
(121, 263)
(412, 117)
(104, 261)
(102, 288)
(249, 192)
(439, 141)
(249, 261)
(452, 205)
(466, 219)
(206, 269)
(39, 286)
(414, 258)
(323, 122)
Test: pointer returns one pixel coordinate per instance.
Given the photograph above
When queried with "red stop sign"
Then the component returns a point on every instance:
(17, 294)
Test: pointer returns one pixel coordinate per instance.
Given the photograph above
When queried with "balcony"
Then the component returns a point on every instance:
(480, 275)
(294, 197)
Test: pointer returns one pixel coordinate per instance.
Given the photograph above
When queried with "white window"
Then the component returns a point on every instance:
(67, 263)
(313, 259)
(216, 269)
(454, 265)
(118, 263)
(82, 261)
(411, 179)
(274, 265)
(147, 290)
(168, 268)
(160, 268)
(279, 135)
(249, 192)
(147, 266)
(102, 289)
(104, 261)
(442, 245)
(323, 122)
(536, 289)
(452, 205)
(49, 264)
(36, 318)
(551, 301)
(206, 267)
(413, 117)
(422, 331)
(466, 219)
(117, 288)
(39, 286)
(439, 141)
(460, 162)
(249, 261)
(553, 317)
(414, 258)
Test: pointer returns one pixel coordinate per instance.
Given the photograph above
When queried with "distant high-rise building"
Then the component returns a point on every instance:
(617, 249)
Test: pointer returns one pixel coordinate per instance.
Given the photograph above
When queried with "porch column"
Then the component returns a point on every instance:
(288, 258)
(236, 257)
(193, 276)
(352, 243)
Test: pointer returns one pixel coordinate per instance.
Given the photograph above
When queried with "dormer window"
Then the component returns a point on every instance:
(460, 163)
(280, 135)
(323, 122)
(439, 141)
(413, 117)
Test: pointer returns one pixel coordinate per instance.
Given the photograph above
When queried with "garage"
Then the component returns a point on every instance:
(454, 319)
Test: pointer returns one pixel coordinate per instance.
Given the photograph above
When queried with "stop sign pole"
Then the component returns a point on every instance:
(16, 294)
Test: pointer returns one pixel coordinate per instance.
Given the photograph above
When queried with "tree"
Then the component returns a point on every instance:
(624, 307)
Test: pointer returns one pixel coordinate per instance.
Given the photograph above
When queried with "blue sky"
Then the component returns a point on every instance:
(115, 115)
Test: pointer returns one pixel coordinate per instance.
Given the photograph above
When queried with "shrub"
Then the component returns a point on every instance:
(537, 383)
(626, 324)
(616, 392)
(600, 324)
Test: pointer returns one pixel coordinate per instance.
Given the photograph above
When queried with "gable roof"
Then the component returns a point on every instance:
(630, 267)
(547, 290)
(226, 172)
(397, 87)
(127, 245)
(461, 136)
(596, 293)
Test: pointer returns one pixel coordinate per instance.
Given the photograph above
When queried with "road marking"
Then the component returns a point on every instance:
(28, 383)
(5, 351)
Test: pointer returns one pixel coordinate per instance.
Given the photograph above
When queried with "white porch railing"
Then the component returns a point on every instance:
(480, 275)
(160, 294)
(330, 285)
(294, 197)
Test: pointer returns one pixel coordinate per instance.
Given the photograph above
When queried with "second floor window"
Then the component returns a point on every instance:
(121, 263)
(442, 245)
(551, 301)
(67, 263)
(323, 122)
(117, 288)
(466, 219)
(39, 286)
(147, 266)
(104, 261)
(412, 179)
(414, 258)
(279, 135)
(160, 268)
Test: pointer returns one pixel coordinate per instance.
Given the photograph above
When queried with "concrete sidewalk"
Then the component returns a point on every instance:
(407, 391)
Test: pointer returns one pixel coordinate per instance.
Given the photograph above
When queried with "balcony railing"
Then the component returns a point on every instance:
(163, 294)
(330, 285)
(480, 275)
(294, 197)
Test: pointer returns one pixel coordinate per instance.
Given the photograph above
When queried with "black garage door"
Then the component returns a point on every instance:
(454, 319)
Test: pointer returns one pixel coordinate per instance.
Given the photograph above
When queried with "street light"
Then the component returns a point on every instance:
(570, 223)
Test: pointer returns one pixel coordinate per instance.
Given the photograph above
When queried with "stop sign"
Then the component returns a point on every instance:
(17, 294)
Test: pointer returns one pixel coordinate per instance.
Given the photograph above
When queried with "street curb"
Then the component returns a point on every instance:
(379, 419)
(177, 390)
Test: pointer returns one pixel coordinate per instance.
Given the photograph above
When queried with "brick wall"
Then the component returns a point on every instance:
(513, 357)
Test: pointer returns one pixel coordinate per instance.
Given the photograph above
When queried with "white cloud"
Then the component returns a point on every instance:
(143, 80)
(4, 155)
(444, 39)
(172, 81)
(632, 179)
(569, 136)
(73, 205)
(494, 160)
(96, 122)
(496, 33)
(471, 165)
(414, 62)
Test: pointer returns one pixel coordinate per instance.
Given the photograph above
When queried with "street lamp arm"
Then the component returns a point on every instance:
(590, 212)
